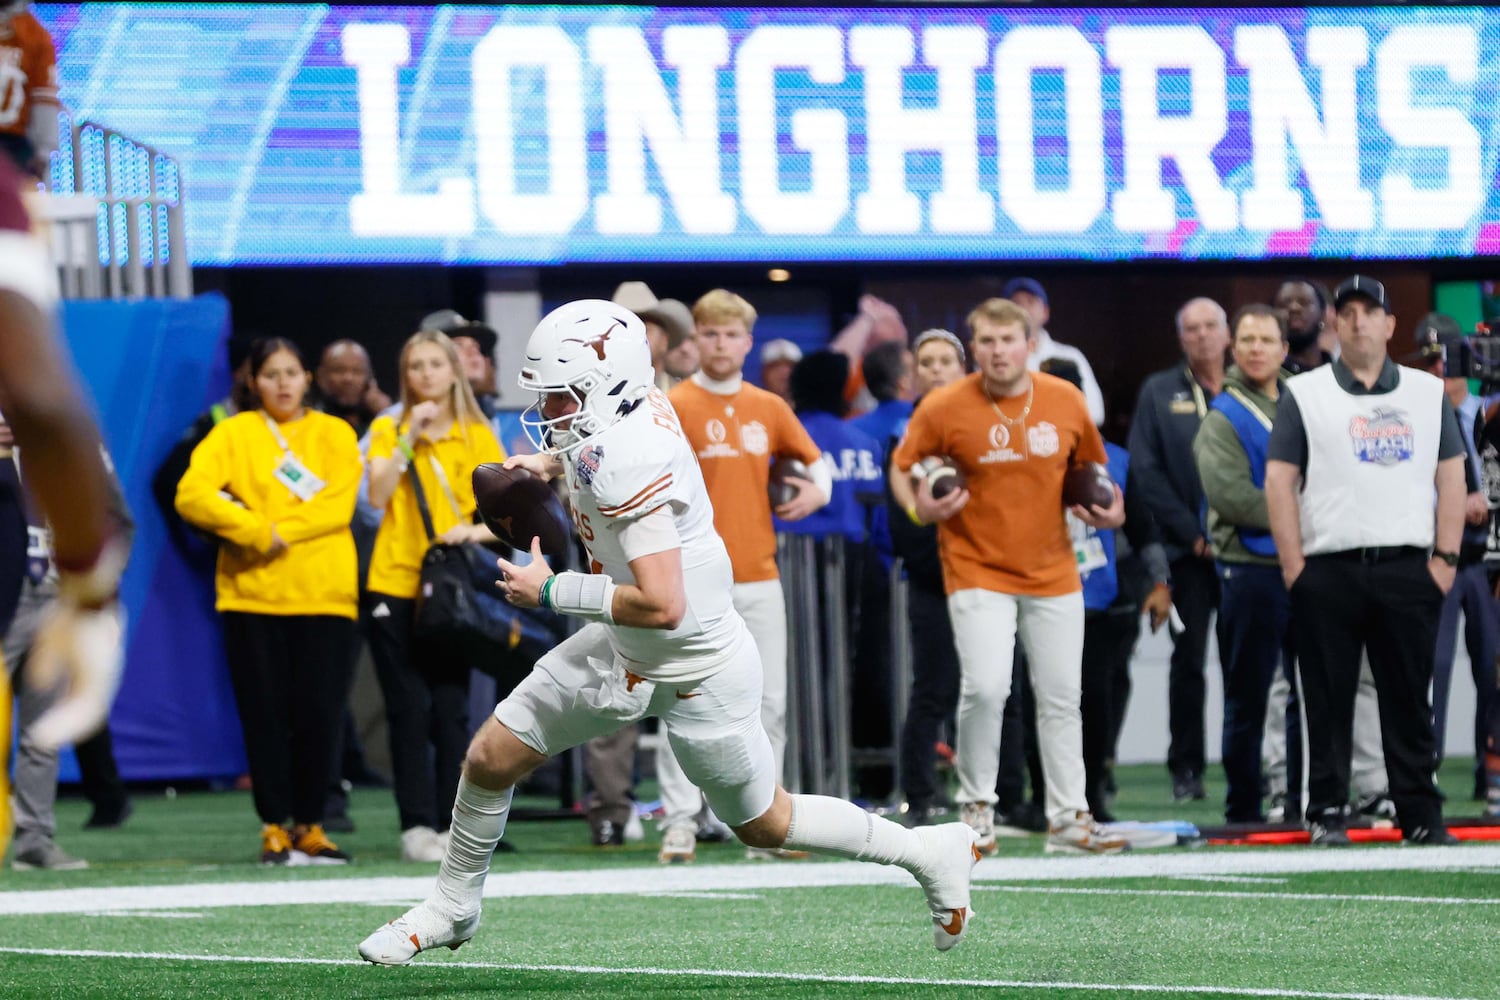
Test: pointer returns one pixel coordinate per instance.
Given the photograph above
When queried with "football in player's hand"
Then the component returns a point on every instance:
(943, 477)
(518, 507)
(1088, 485)
(778, 488)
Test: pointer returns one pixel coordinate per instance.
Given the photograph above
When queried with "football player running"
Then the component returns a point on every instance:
(79, 642)
(662, 639)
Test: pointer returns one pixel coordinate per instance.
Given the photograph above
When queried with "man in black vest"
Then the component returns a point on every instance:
(1356, 449)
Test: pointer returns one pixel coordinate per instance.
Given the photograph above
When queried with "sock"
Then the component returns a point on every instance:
(832, 826)
(479, 816)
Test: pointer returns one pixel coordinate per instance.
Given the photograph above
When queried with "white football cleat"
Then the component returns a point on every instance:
(678, 845)
(418, 929)
(951, 855)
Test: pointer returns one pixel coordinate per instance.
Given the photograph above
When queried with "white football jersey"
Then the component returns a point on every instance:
(626, 471)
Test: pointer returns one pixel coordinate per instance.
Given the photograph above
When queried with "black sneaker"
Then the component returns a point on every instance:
(109, 817)
(1027, 817)
(916, 816)
(1328, 835)
(608, 834)
(1379, 809)
(1430, 836)
(338, 823)
(1188, 786)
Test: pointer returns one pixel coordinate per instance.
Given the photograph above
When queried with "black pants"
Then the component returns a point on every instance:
(1195, 592)
(934, 692)
(1109, 638)
(868, 630)
(1254, 616)
(426, 689)
(290, 675)
(99, 774)
(1389, 609)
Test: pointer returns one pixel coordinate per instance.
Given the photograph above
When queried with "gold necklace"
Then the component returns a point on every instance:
(1030, 395)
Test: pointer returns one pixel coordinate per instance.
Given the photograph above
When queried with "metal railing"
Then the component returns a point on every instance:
(115, 217)
(819, 757)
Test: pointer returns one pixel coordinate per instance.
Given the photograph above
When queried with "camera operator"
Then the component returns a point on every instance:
(1445, 352)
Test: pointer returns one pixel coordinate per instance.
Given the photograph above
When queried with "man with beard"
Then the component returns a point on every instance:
(1305, 309)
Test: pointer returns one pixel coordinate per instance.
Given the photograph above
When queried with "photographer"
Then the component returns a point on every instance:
(1444, 351)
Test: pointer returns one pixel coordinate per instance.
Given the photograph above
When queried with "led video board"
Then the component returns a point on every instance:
(528, 135)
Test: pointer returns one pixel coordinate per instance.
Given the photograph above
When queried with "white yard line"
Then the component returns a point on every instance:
(1229, 894)
(652, 878)
(743, 974)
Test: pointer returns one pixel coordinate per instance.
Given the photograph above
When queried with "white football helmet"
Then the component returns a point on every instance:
(596, 351)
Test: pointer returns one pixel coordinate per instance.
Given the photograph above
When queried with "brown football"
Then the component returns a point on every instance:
(518, 507)
(944, 477)
(779, 490)
(1088, 485)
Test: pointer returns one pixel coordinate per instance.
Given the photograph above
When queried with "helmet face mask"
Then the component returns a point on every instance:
(594, 351)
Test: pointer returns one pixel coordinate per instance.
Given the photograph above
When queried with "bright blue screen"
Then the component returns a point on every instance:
(534, 135)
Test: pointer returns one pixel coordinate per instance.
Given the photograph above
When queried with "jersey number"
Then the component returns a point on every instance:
(586, 532)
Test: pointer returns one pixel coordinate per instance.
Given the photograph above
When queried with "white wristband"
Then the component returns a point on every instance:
(588, 595)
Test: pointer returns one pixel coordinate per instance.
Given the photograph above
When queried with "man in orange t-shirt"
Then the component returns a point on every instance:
(28, 89)
(1008, 561)
(736, 429)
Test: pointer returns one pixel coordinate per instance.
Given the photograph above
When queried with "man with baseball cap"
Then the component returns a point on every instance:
(1029, 294)
(777, 359)
(1444, 352)
(668, 323)
(1355, 452)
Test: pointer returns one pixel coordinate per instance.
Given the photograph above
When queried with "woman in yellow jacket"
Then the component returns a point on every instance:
(278, 485)
(440, 436)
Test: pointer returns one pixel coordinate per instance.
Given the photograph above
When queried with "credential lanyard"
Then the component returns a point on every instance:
(281, 441)
(447, 488)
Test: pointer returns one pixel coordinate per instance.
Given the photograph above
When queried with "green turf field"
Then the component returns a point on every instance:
(174, 905)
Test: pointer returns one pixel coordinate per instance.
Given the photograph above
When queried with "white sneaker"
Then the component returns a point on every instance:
(635, 830)
(421, 844)
(1082, 835)
(678, 845)
(951, 851)
(418, 929)
(980, 817)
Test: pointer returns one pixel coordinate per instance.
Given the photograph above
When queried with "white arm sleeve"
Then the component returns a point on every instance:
(822, 477)
(1091, 392)
(649, 534)
(24, 268)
